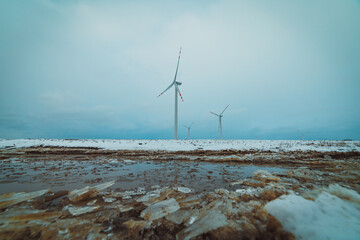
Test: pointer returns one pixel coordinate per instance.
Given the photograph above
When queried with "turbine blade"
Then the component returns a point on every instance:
(178, 90)
(177, 66)
(224, 109)
(166, 89)
(215, 114)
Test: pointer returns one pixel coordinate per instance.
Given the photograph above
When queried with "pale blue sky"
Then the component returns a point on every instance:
(93, 69)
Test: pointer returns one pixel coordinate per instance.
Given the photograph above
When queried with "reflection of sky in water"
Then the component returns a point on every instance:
(35, 174)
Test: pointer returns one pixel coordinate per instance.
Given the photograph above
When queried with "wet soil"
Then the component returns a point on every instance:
(58, 168)
(68, 172)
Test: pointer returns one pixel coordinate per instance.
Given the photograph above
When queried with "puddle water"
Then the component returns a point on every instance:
(31, 174)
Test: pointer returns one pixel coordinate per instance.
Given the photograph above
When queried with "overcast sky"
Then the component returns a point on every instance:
(93, 69)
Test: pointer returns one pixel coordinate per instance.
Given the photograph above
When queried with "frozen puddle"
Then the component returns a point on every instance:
(36, 173)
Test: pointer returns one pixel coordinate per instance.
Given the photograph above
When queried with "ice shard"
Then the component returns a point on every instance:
(211, 221)
(9, 199)
(88, 192)
(160, 209)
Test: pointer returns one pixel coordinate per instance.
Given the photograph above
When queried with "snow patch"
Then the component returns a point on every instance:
(188, 145)
(328, 217)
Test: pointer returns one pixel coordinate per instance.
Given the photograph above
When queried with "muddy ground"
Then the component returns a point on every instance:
(230, 186)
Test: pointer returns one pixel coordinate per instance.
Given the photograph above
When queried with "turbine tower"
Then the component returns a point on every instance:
(177, 91)
(188, 128)
(220, 116)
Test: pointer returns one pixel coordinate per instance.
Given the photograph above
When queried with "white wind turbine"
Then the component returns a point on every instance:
(176, 84)
(220, 116)
(188, 128)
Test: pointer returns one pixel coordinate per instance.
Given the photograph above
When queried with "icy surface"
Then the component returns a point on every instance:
(160, 209)
(330, 216)
(9, 199)
(212, 220)
(185, 145)
(88, 192)
(75, 211)
(184, 189)
(180, 216)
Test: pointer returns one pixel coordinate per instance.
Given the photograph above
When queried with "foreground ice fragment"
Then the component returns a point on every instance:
(92, 202)
(108, 199)
(249, 191)
(148, 197)
(88, 192)
(181, 216)
(344, 193)
(237, 182)
(129, 161)
(128, 194)
(9, 199)
(190, 201)
(160, 209)
(119, 207)
(75, 211)
(265, 175)
(20, 216)
(328, 217)
(183, 189)
(211, 221)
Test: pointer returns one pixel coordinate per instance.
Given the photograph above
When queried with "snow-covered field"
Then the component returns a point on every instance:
(188, 145)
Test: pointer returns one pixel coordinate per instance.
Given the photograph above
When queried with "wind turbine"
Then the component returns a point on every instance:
(188, 128)
(177, 90)
(302, 134)
(220, 116)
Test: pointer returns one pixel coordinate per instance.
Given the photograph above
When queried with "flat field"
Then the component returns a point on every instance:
(186, 189)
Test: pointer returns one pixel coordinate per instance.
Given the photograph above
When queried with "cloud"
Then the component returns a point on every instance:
(96, 67)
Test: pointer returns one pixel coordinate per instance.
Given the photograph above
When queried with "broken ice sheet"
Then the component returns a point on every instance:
(9, 199)
(249, 191)
(190, 201)
(92, 202)
(119, 207)
(25, 214)
(155, 196)
(265, 176)
(88, 192)
(184, 189)
(129, 161)
(75, 211)
(183, 215)
(211, 221)
(160, 209)
(108, 199)
(150, 196)
(129, 194)
(237, 182)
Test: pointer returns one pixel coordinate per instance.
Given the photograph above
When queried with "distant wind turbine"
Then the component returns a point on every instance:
(302, 134)
(177, 90)
(220, 116)
(188, 128)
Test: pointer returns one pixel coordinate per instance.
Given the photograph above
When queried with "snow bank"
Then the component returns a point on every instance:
(334, 214)
(186, 145)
